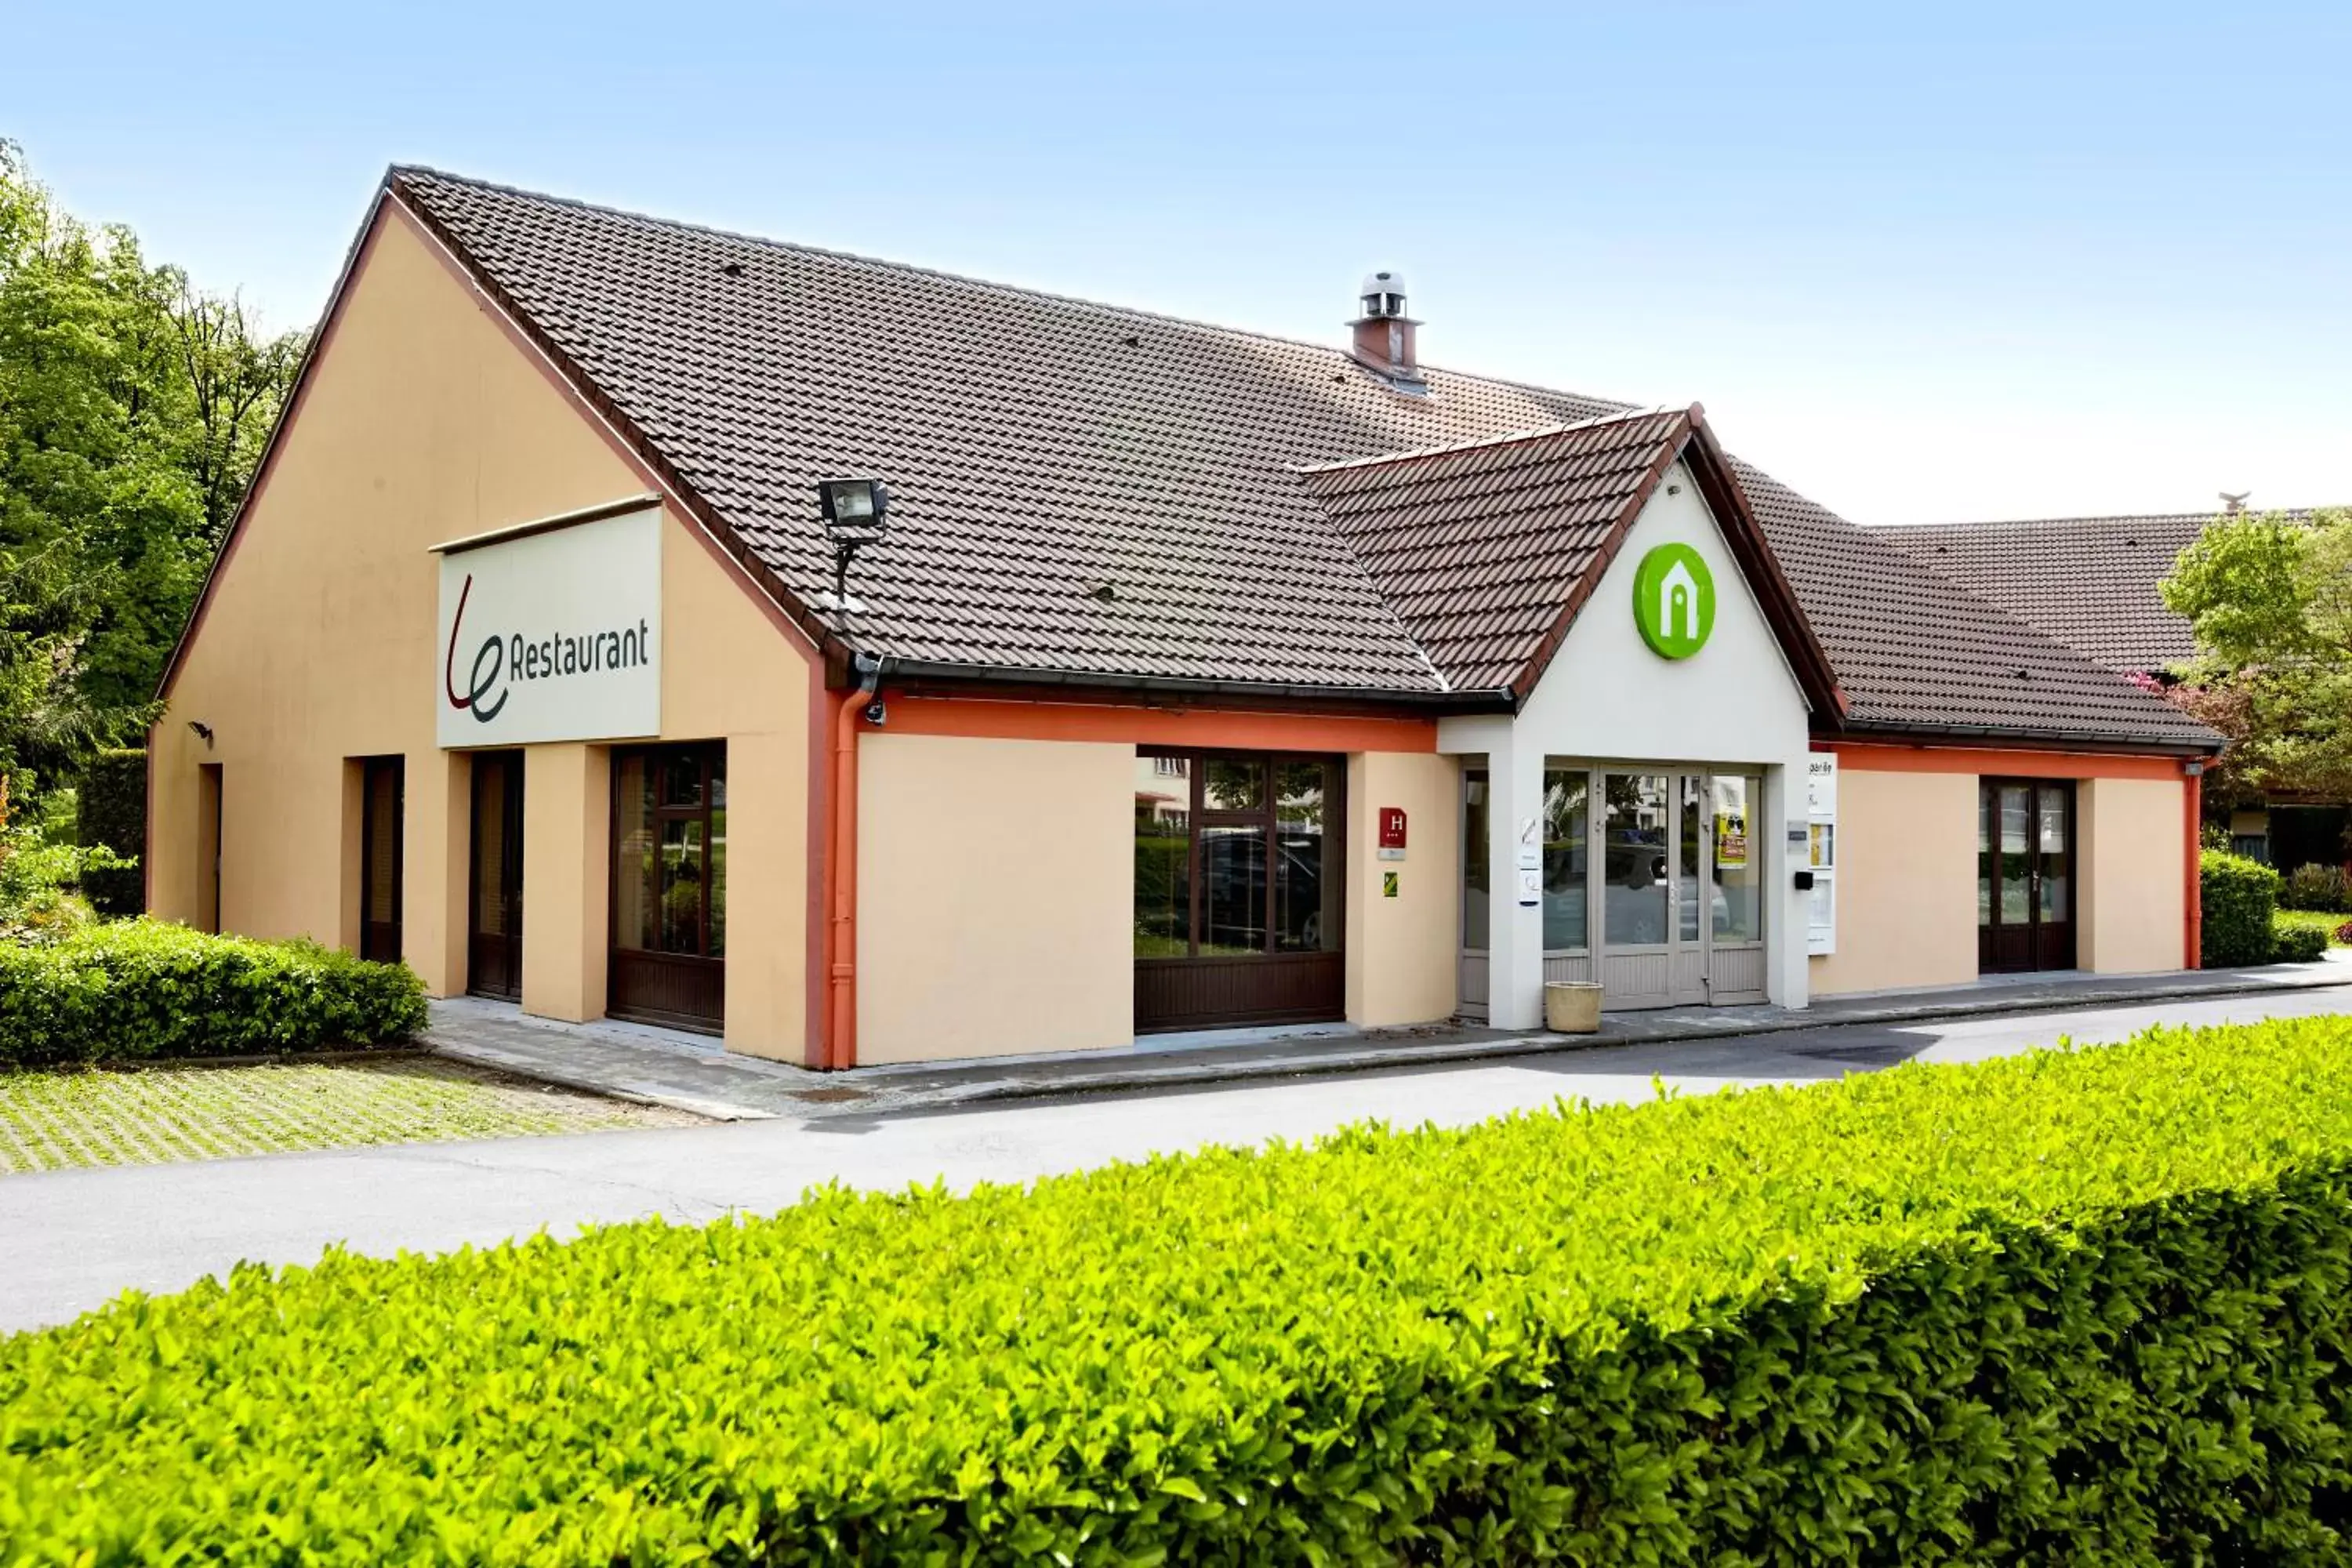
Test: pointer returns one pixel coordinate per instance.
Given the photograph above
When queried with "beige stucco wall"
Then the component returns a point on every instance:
(2129, 900)
(422, 421)
(1403, 953)
(995, 899)
(1906, 911)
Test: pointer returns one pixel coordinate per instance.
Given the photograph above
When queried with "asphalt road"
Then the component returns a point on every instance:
(70, 1240)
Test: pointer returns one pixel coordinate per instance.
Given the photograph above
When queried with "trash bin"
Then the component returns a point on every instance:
(1572, 1007)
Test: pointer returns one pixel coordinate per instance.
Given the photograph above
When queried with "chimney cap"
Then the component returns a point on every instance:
(1382, 295)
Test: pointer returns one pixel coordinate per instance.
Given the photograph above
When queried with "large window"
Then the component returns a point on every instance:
(672, 893)
(1233, 856)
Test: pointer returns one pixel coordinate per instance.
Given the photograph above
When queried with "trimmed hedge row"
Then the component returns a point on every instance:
(2297, 944)
(143, 989)
(2236, 897)
(2075, 1306)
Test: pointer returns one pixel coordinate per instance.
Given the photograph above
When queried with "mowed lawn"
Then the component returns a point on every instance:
(49, 1120)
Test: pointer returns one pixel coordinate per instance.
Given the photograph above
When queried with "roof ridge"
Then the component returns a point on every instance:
(966, 279)
(1482, 443)
(2102, 517)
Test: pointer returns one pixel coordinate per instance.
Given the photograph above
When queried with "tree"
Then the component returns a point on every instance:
(132, 410)
(2271, 601)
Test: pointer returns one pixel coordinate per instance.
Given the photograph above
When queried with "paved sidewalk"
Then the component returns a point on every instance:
(664, 1067)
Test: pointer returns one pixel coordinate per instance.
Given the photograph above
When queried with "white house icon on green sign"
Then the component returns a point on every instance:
(1673, 601)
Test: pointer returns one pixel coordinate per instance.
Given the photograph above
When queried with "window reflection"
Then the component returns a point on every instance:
(1233, 891)
(1475, 861)
(1633, 858)
(1163, 849)
(2016, 853)
(2051, 853)
(1306, 901)
(669, 894)
(1738, 889)
(1565, 860)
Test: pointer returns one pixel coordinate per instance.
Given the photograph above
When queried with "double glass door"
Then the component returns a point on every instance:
(2025, 875)
(1653, 889)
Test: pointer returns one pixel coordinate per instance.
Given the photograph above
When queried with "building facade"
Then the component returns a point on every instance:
(1201, 678)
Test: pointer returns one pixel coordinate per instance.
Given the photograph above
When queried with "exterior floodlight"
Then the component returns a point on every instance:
(856, 514)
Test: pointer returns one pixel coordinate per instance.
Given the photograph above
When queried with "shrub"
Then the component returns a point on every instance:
(2237, 898)
(112, 812)
(2315, 887)
(139, 989)
(2344, 934)
(2297, 944)
(2075, 1306)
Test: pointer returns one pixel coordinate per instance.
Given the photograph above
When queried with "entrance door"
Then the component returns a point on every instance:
(669, 886)
(379, 846)
(2025, 875)
(1652, 841)
(1240, 889)
(493, 913)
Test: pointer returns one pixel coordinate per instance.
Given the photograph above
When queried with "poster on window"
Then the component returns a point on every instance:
(1731, 841)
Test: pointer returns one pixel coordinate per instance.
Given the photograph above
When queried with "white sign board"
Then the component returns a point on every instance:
(1821, 851)
(553, 636)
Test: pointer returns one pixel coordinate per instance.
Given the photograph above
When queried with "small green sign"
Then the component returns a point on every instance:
(1388, 884)
(1673, 601)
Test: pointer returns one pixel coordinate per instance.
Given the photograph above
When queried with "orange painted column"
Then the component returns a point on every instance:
(841, 880)
(2192, 793)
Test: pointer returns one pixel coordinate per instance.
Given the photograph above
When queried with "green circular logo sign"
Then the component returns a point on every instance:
(1673, 601)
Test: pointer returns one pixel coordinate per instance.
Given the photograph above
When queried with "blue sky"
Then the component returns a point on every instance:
(1925, 263)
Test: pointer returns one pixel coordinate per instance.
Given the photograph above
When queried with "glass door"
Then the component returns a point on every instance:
(494, 896)
(381, 834)
(2025, 880)
(670, 885)
(1654, 952)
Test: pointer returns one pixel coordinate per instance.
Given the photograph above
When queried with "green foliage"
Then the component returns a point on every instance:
(143, 989)
(2236, 897)
(41, 882)
(2317, 886)
(111, 810)
(2075, 1307)
(2292, 944)
(132, 408)
(2271, 603)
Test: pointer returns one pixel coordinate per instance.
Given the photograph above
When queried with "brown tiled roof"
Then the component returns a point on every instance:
(2090, 582)
(1488, 549)
(1480, 547)
(1939, 659)
(1084, 492)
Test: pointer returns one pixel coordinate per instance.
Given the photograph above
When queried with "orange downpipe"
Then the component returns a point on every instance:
(840, 878)
(2192, 802)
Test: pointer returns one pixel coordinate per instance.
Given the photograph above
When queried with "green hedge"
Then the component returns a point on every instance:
(111, 810)
(2237, 898)
(139, 989)
(2082, 1308)
(2297, 944)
